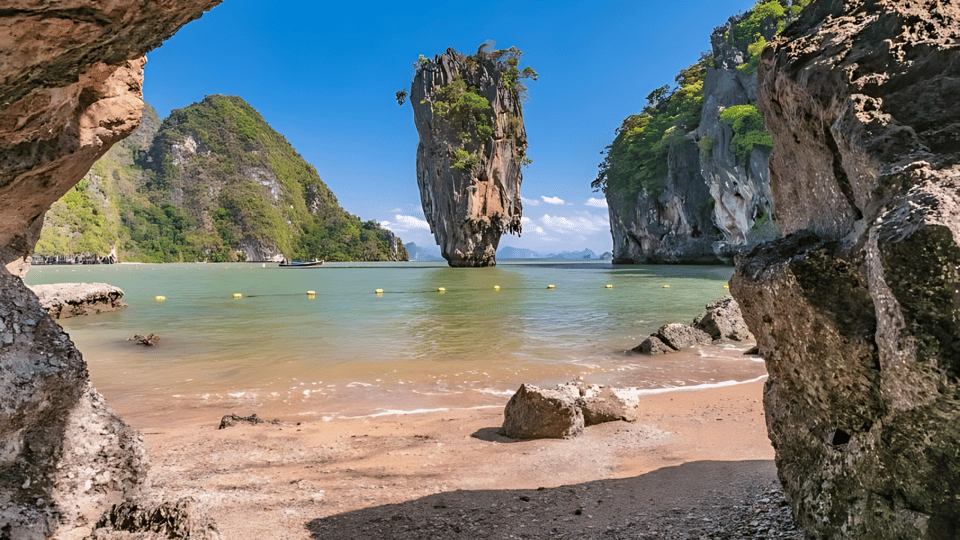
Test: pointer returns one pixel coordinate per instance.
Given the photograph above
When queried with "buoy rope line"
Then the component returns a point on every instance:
(380, 292)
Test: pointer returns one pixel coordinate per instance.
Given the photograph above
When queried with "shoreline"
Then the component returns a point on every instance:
(302, 479)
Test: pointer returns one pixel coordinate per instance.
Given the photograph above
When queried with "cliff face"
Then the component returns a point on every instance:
(856, 313)
(709, 203)
(72, 74)
(71, 89)
(469, 180)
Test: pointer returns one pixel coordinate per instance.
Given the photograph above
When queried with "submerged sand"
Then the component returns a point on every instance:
(697, 464)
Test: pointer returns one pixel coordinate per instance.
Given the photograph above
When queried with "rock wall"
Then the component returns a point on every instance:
(72, 74)
(468, 210)
(70, 88)
(710, 203)
(856, 312)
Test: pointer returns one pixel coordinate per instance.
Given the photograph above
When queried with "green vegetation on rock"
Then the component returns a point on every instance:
(636, 160)
(748, 130)
(748, 34)
(211, 182)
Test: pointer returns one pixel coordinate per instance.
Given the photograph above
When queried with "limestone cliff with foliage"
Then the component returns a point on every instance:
(687, 180)
(468, 113)
(212, 182)
(857, 311)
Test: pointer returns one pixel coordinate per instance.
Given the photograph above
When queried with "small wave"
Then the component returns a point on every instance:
(355, 384)
(493, 392)
(395, 412)
(648, 391)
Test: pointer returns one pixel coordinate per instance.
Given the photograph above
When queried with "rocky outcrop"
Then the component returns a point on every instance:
(856, 313)
(539, 413)
(473, 198)
(257, 250)
(63, 300)
(722, 319)
(712, 205)
(70, 89)
(65, 456)
(81, 258)
(563, 412)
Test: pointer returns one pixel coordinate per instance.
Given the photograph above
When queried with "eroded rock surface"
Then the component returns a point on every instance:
(539, 413)
(856, 313)
(63, 300)
(70, 88)
(64, 456)
(469, 208)
(712, 205)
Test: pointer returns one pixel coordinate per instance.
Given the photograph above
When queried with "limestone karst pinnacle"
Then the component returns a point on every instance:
(468, 114)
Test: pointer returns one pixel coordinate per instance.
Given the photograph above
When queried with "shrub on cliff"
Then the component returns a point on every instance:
(748, 130)
(636, 160)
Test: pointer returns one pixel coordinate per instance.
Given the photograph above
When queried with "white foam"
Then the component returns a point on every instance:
(355, 384)
(647, 391)
(395, 412)
(493, 392)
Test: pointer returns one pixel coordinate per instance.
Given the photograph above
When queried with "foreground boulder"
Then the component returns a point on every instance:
(608, 404)
(63, 300)
(722, 319)
(856, 312)
(536, 413)
(563, 412)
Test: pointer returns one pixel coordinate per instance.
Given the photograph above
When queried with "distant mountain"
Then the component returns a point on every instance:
(507, 252)
(586, 254)
(211, 182)
(422, 254)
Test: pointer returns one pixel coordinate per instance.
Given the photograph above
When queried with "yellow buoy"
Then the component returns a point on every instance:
(311, 293)
(441, 289)
(496, 287)
(551, 287)
(726, 286)
(609, 286)
(161, 298)
(237, 295)
(665, 286)
(379, 291)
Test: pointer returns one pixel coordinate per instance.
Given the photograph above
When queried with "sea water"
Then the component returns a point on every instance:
(349, 351)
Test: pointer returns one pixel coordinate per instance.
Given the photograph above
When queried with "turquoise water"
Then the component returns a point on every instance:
(349, 351)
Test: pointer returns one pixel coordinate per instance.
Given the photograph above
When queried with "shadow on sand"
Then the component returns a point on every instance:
(704, 499)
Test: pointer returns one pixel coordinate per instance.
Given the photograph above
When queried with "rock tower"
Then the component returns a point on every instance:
(472, 145)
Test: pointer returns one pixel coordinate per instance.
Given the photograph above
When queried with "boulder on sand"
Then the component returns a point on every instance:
(653, 345)
(678, 336)
(607, 404)
(723, 320)
(536, 413)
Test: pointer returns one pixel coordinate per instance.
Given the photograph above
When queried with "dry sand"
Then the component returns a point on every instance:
(697, 464)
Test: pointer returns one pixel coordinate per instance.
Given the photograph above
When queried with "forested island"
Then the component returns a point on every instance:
(211, 182)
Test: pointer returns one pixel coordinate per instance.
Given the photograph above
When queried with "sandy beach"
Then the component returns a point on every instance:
(697, 464)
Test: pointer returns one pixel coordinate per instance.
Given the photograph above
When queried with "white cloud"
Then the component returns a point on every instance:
(529, 202)
(396, 211)
(552, 200)
(596, 203)
(525, 219)
(405, 224)
(576, 224)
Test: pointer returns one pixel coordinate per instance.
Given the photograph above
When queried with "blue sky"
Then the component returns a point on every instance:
(324, 75)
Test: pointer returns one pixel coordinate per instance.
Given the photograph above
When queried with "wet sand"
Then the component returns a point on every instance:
(448, 474)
